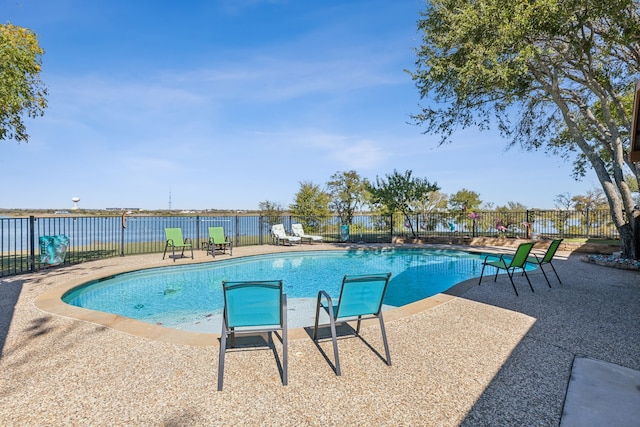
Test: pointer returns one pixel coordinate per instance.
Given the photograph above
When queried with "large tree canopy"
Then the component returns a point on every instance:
(348, 192)
(21, 90)
(401, 193)
(552, 74)
(311, 205)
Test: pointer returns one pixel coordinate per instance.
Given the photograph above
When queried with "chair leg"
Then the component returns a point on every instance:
(223, 347)
(554, 270)
(544, 274)
(513, 284)
(384, 340)
(332, 323)
(528, 281)
(334, 337)
(481, 274)
(315, 326)
(285, 346)
(165, 250)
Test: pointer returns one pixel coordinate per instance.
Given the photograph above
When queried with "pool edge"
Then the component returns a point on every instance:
(51, 302)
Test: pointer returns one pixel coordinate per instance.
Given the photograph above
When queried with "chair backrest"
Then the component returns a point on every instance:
(297, 230)
(217, 234)
(362, 295)
(175, 235)
(278, 230)
(522, 253)
(553, 247)
(257, 303)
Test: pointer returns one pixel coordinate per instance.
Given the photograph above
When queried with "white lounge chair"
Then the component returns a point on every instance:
(298, 230)
(279, 235)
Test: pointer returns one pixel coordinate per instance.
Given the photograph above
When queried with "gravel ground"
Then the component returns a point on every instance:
(479, 356)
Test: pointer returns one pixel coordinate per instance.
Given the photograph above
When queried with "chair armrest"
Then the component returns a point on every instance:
(329, 306)
(329, 309)
(486, 258)
(283, 306)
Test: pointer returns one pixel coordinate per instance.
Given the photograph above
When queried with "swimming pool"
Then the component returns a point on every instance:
(189, 297)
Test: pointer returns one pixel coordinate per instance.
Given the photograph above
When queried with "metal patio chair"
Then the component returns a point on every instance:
(253, 308)
(546, 259)
(280, 236)
(519, 260)
(298, 230)
(217, 240)
(360, 298)
(175, 240)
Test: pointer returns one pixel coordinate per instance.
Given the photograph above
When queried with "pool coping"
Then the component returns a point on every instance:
(51, 302)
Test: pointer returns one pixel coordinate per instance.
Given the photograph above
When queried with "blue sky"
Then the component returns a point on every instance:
(223, 104)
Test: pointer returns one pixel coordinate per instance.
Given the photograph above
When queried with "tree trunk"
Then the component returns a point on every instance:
(636, 234)
(629, 240)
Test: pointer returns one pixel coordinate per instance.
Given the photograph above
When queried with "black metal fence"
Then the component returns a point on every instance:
(97, 237)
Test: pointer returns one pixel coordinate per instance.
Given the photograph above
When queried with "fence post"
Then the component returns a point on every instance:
(260, 227)
(391, 227)
(197, 231)
(32, 242)
(237, 236)
(124, 225)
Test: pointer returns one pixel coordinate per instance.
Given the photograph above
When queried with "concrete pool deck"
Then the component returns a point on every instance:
(475, 355)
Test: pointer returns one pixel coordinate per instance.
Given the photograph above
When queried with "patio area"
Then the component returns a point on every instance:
(476, 356)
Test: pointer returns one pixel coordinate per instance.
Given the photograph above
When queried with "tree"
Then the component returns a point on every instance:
(348, 192)
(464, 206)
(588, 205)
(465, 201)
(564, 204)
(557, 75)
(271, 212)
(21, 90)
(434, 210)
(399, 193)
(311, 205)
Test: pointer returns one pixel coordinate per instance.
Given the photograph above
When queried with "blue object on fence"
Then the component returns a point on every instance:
(344, 232)
(53, 249)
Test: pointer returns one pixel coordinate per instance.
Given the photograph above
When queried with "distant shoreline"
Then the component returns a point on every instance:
(21, 213)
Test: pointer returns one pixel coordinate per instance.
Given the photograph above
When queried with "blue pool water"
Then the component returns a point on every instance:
(189, 297)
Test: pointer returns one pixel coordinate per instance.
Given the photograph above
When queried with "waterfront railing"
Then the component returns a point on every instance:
(98, 237)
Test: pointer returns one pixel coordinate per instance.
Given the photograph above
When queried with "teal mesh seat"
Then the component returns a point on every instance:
(360, 298)
(252, 308)
(518, 261)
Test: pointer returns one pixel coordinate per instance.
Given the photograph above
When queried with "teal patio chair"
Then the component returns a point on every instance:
(519, 260)
(360, 298)
(546, 259)
(253, 308)
(217, 240)
(175, 240)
